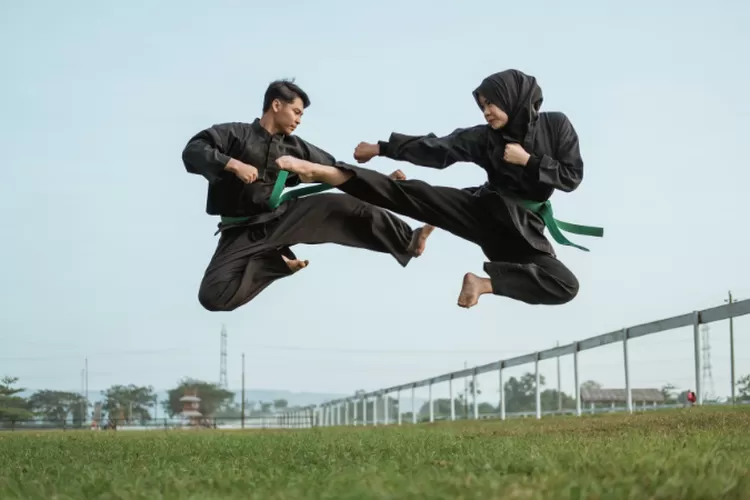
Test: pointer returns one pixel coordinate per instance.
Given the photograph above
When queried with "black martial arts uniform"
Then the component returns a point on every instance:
(248, 257)
(523, 265)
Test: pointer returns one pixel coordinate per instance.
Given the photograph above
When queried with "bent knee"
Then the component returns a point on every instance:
(215, 298)
(569, 287)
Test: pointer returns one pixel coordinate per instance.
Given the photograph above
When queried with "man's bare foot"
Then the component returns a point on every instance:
(296, 264)
(473, 287)
(398, 175)
(419, 240)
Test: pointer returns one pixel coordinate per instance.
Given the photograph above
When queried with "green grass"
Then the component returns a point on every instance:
(692, 453)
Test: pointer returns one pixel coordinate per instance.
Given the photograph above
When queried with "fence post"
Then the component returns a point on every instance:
(474, 394)
(450, 394)
(576, 378)
(628, 391)
(698, 357)
(386, 419)
(413, 405)
(398, 394)
(537, 389)
(502, 391)
(432, 407)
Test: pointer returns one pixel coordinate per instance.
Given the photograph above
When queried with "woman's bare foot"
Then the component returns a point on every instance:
(304, 169)
(473, 287)
(296, 264)
(419, 240)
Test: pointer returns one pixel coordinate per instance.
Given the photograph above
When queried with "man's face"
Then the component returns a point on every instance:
(287, 116)
(496, 117)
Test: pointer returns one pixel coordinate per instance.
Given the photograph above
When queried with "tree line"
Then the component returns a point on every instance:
(124, 403)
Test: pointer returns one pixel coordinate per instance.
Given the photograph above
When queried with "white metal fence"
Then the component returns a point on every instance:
(337, 412)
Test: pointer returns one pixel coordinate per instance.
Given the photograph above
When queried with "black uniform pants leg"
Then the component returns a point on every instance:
(536, 278)
(454, 210)
(343, 220)
(242, 266)
(248, 260)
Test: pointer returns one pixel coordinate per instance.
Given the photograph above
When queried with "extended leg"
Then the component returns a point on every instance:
(451, 209)
(344, 220)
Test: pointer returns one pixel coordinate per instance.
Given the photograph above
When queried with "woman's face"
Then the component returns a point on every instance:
(496, 117)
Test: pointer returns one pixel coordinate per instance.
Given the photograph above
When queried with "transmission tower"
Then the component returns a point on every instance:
(707, 378)
(223, 364)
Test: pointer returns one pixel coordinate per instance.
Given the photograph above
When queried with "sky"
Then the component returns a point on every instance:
(106, 238)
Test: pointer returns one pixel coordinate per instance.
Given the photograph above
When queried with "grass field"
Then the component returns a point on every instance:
(675, 454)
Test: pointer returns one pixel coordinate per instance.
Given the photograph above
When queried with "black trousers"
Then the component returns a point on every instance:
(249, 258)
(516, 269)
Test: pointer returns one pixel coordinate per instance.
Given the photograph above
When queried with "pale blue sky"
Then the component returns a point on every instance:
(106, 238)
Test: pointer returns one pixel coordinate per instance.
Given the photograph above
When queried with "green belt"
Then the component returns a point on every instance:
(556, 227)
(543, 209)
(278, 196)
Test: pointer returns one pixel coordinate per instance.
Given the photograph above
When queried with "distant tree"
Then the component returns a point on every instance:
(12, 407)
(520, 394)
(486, 408)
(280, 404)
(549, 400)
(670, 394)
(591, 384)
(129, 402)
(213, 397)
(231, 411)
(743, 388)
(56, 406)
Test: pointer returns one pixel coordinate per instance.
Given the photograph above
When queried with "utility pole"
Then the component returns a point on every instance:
(223, 359)
(559, 392)
(242, 417)
(731, 347)
(86, 395)
(83, 388)
(466, 394)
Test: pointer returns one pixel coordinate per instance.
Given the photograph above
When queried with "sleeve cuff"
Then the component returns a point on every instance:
(384, 148)
(532, 167)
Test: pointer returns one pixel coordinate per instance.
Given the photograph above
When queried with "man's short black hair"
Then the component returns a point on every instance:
(286, 91)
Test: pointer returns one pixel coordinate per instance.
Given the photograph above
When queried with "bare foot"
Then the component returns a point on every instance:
(296, 264)
(304, 169)
(419, 240)
(310, 172)
(473, 287)
(398, 175)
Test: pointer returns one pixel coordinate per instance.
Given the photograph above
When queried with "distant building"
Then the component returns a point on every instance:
(619, 397)
(190, 408)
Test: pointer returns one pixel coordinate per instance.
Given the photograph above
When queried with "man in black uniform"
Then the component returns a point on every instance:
(239, 162)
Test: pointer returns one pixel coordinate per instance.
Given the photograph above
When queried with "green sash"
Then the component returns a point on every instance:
(543, 209)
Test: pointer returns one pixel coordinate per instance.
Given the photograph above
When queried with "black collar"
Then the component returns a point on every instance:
(257, 127)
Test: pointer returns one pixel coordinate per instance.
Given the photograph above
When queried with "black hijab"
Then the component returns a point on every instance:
(518, 95)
